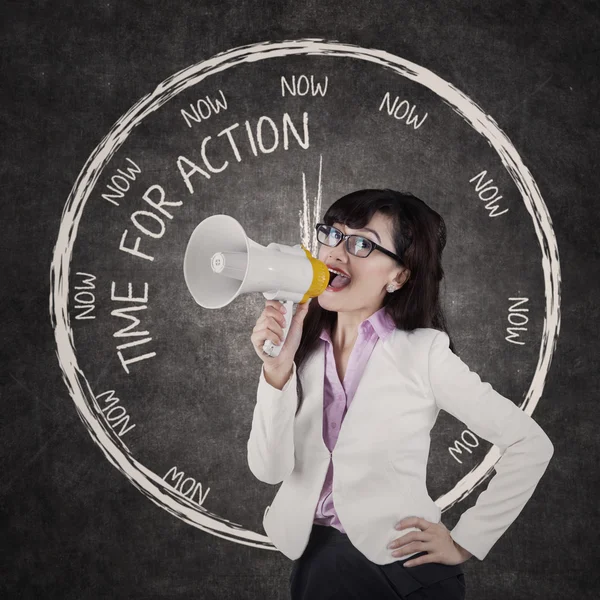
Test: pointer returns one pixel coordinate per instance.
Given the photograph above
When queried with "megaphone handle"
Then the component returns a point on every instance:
(269, 347)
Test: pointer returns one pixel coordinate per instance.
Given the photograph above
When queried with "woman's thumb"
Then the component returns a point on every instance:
(302, 309)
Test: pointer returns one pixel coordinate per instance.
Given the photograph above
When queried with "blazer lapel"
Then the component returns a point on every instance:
(362, 400)
(310, 418)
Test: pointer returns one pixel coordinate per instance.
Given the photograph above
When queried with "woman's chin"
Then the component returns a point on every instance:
(330, 295)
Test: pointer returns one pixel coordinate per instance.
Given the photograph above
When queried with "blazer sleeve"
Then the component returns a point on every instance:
(271, 441)
(526, 449)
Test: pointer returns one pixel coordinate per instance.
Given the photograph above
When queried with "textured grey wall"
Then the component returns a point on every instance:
(76, 527)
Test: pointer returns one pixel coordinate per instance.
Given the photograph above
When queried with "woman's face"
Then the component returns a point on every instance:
(368, 276)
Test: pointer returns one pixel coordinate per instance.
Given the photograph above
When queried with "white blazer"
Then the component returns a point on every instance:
(380, 457)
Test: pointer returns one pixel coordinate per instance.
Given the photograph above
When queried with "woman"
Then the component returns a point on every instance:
(380, 324)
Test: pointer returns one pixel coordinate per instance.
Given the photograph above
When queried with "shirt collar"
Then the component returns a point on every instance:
(379, 321)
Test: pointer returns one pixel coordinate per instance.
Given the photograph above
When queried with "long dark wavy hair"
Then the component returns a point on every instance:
(419, 236)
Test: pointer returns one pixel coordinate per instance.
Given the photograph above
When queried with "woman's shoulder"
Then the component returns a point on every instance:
(421, 336)
(408, 353)
(412, 348)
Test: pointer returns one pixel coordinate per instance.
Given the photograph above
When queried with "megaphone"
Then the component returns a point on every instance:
(221, 262)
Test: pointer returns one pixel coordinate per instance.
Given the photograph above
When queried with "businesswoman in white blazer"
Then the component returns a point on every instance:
(343, 416)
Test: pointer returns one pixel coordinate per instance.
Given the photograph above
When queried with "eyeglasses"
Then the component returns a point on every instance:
(355, 244)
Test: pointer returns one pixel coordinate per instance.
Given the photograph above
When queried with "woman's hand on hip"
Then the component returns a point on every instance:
(433, 538)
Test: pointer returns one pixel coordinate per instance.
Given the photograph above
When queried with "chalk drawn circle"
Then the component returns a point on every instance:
(144, 479)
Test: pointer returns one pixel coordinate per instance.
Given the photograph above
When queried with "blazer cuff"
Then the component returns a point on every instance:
(464, 539)
(266, 392)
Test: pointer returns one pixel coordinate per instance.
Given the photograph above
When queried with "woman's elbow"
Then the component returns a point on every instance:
(268, 470)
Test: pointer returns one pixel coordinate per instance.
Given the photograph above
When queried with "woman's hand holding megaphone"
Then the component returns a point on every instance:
(270, 326)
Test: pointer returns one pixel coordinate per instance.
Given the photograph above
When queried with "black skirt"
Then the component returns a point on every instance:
(331, 568)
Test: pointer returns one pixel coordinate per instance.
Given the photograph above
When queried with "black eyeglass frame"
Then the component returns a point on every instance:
(346, 236)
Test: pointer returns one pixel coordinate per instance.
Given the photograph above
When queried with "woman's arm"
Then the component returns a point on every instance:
(277, 379)
(526, 449)
(271, 441)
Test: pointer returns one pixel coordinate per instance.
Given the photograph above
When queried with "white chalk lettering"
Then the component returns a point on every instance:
(259, 131)
(488, 193)
(465, 444)
(130, 330)
(121, 182)
(263, 137)
(149, 222)
(115, 413)
(402, 110)
(204, 109)
(189, 487)
(517, 319)
(85, 299)
(302, 86)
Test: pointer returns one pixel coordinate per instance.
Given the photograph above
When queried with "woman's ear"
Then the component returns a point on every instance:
(402, 277)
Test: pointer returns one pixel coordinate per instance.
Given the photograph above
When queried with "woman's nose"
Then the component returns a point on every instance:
(339, 252)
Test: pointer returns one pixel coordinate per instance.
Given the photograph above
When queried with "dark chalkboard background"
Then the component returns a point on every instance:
(73, 525)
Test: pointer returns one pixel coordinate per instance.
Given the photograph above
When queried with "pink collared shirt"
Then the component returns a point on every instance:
(338, 395)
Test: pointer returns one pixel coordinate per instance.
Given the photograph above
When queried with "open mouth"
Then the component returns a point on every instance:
(337, 281)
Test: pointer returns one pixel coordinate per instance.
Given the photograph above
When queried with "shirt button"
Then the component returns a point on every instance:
(334, 425)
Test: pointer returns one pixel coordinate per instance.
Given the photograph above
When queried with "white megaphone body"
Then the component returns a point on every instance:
(221, 262)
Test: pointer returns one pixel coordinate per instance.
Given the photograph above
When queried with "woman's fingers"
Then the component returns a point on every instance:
(271, 314)
(269, 326)
(271, 332)
(268, 322)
